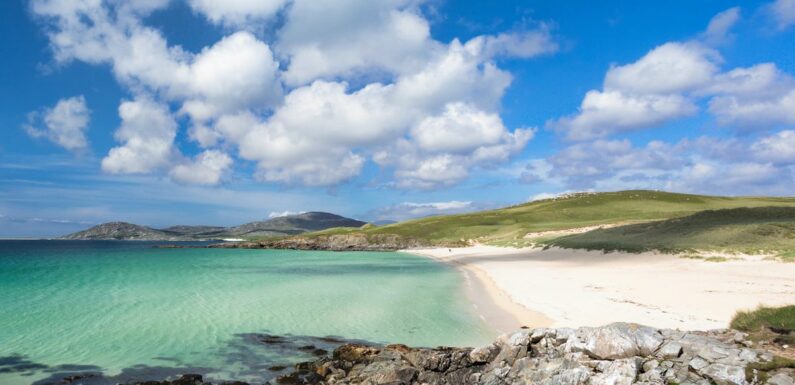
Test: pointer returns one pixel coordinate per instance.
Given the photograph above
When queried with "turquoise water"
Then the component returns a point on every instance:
(127, 310)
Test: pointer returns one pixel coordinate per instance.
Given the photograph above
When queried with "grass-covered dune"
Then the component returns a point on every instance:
(750, 230)
(509, 225)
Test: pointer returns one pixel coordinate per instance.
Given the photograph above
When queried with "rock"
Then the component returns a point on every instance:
(670, 350)
(614, 341)
(698, 363)
(483, 354)
(616, 354)
(354, 353)
(619, 372)
(780, 379)
(724, 374)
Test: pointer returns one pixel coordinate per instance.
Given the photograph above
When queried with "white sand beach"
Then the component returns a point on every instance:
(512, 287)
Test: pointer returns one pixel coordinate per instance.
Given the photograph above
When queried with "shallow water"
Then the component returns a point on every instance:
(129, 310)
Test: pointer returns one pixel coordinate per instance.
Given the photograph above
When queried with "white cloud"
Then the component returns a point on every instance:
(277, 214)
(525, 44)
(65, 124)
(562, 194)
(409, 210)
(424, 109)
(147, 134)
(670, 68)
(606, 112)
(704, 165)
(778, 148)
(328, 38)
(208, 168)
(237, 13)
(237, 72)
(669, 81)
(783, 12)
(719, 26)
(734, 110)
(461, 128)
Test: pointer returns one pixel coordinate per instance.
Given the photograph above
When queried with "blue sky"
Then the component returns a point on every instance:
(166, 112)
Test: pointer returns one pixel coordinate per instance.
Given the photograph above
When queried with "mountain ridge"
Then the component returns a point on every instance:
(280, 226)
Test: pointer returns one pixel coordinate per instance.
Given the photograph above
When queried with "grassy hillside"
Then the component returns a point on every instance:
(749, 230)
(510, 224)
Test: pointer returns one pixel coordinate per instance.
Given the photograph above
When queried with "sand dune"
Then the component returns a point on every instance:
(557, 287)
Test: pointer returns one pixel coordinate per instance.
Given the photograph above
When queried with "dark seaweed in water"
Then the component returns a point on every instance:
(263, 356)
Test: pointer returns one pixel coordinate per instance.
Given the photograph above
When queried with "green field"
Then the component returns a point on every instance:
(748, 230)
(508, 226)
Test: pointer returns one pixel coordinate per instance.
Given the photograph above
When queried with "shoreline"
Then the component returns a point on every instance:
(491, 304)
(533, 287)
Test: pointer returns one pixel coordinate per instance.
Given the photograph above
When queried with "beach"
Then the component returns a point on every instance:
(514, 287)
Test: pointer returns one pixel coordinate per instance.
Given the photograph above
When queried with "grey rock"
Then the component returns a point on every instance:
(670, 350)
(780, 379)
(698, 363)
(484, 354)
(724, 374)
(614, 341)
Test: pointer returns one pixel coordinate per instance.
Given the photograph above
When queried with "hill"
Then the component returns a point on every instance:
(749, 230)
(509, 226)
(123, 231)
(292, 224)
(281, 226)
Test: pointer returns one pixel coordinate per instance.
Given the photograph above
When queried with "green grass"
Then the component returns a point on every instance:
(772, 325)
(512, 223)
(755, 230)
(780, 319)
(761, 370)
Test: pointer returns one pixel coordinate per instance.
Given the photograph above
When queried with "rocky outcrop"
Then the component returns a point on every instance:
(333, 242)
(616, 354)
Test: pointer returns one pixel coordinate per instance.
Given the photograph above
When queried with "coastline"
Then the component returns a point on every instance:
(492, 304)
(533, 287)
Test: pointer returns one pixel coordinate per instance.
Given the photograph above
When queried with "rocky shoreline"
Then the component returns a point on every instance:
(332, 242)
(616, 354)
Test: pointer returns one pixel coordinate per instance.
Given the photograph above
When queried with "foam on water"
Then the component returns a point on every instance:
(125, 308)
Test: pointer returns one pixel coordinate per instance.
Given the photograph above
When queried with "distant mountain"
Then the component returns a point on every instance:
(124, 231)
(293, 224)
(281, 226)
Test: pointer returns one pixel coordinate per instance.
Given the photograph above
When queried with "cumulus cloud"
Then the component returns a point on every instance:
(704, 165)
(410, 210)
(670, 68)
(668, 83)
(424, 109)
(719, 27)
(778, 148)
(328, 38)
(65, 124)
(147, 135)
(207, 168)
(783, 12)
(646, 93)
(606, 112)
(237, 13)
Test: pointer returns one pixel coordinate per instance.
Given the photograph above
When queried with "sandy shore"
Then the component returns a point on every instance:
(513, 287)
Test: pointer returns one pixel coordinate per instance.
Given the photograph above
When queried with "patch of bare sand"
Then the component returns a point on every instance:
(561, 287)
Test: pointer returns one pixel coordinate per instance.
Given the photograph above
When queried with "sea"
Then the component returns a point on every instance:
(108, 312)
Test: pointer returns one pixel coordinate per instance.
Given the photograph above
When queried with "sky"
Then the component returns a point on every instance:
(164, 112)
